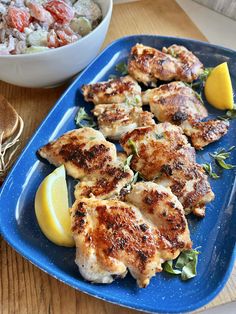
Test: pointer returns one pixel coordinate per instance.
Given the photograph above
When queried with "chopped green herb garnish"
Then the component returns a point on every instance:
(112, 77)
(83, 116)
(122, 67)
(202, 78)
(173, 53)
(159, 136)
(127, 162)
(186, 265)
(220, 157)
(132, 101)
(224, 118)
(168, 267)
(208, 169)
(205, 74)
(134, 180)
(92, 138)
(199, 97)
(231, 114)
(133, 147)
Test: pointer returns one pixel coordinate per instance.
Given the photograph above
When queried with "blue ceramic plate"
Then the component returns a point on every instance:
(215, 234)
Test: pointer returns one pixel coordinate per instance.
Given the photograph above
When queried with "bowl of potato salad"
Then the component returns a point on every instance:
(45, 42)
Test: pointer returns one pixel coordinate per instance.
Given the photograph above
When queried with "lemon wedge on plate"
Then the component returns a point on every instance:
(218, 88)
(52, 208)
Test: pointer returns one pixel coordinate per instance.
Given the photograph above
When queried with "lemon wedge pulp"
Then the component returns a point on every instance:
(51, 208)
(218, 88)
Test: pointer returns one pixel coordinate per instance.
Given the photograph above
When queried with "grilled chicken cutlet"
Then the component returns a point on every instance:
(162, 153)
(174, 102)
(87, 156)
(148, 65)
(177, 103)
(116, 119)
(205, 132)
(112, 236)
(190, 65)
(117, 90)
(117, 106)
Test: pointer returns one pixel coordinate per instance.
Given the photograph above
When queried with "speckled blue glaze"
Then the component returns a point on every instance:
(216, 233)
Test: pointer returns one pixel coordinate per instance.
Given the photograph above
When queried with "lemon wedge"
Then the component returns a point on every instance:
(218, 88)
(51, 208)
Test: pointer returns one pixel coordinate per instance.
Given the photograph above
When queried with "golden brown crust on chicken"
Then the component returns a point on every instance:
(177, 103)
(174, 102)
(155, 146)
(113, 91)
(189, 183)
(108, 183)
(190, 66)
(82, 152)
(87, 156)
(116, 119)
(159, 205)
(147, 64)
(112, 236)
(206, 132)
(164, 155)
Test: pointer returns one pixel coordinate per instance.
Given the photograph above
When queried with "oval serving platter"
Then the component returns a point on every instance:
(215, 234)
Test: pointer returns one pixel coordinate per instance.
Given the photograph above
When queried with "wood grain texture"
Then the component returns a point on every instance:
(23, 287)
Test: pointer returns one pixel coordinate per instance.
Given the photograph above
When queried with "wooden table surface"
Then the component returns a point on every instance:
(23, 287)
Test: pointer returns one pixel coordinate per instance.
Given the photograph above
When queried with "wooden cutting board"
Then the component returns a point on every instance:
(23, 287)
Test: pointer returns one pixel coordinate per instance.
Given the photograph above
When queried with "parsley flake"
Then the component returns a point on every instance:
(122, 67)
(82, 116)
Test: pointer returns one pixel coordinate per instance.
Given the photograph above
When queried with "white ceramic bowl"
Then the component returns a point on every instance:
(55, 66)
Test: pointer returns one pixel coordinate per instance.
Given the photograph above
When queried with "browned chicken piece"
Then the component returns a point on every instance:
(154, 146)
(83, 151)
(174, 102)
(160, 206)
(122, 89)
(148, 65)
(114, 120)
(190, 65)
(106, 184)
(87, 156)
(163, 154)
(206, 132)
(188, 182)
(177, 103)
(112, 236)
